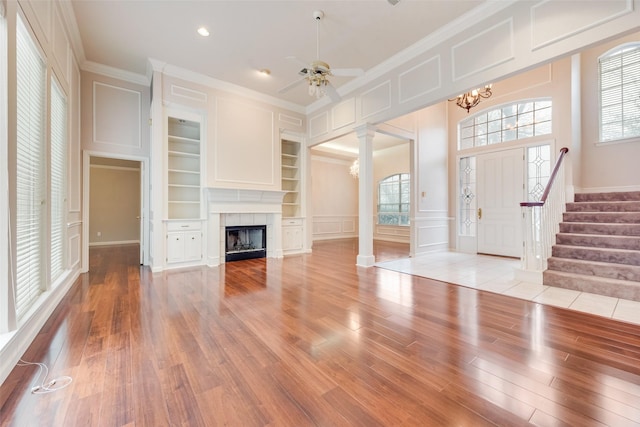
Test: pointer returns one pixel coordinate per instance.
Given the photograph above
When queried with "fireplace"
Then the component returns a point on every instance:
(245, 242)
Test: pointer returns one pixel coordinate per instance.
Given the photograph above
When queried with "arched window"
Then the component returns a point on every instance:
(520, 120)
(393, 199)
(619, 74)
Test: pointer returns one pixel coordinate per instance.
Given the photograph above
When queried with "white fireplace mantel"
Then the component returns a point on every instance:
(230, 200)
(227, 206)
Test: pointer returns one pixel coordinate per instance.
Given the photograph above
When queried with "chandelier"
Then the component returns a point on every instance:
(354, 169)
(470, 99)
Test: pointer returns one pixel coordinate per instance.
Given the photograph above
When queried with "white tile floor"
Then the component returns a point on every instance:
(496, 274)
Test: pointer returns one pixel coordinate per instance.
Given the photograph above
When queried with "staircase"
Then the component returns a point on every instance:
(598, 247)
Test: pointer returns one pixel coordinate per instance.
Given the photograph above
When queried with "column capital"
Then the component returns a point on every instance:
(365, 130)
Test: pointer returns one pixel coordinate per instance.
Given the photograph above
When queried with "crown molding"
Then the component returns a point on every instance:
(115, 73)
(194, 77)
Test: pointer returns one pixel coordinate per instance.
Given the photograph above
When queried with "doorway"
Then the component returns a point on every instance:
(114, 203)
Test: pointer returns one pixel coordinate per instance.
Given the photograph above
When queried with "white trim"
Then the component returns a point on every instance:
(114, 243)
(144, 202)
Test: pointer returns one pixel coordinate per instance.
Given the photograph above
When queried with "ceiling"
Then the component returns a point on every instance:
(247, 36)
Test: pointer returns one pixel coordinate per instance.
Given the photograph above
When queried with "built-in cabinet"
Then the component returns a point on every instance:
(184, 241)
(184, 178)
(293, 185)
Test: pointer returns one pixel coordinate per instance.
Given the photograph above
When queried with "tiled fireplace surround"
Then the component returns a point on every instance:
(234, 207)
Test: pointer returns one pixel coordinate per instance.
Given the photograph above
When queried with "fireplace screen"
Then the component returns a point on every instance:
(246, 242)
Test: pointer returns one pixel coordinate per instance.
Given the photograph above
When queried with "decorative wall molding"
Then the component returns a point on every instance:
(419, 80)
(319, 125)
(291, 120)
(343, 114)
(116, 115)
(327, 227)
(190, 94)
(376, 100)
(471, 56)
(554, 21)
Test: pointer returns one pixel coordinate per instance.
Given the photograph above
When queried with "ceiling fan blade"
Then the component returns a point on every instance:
(292, 85)
(332, 93)
(355, 72)
(298, 60)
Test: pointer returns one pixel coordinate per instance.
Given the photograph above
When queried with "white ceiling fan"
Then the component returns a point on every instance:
(317, 73)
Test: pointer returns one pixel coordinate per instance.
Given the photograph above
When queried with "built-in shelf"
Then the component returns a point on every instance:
(183, 171)
(290, 161)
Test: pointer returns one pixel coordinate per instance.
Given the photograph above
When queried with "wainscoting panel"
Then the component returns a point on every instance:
(334, 227)
(392, 233)
(432, 235)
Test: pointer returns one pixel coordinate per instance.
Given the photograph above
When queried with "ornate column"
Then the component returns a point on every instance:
(365, 190)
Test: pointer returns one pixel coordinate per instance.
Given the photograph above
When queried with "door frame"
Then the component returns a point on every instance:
(144, 202)
(468, 244)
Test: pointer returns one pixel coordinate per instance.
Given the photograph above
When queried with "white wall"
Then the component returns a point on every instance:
(114, 207)
(431, 223)
(334, 198)
(609, 166)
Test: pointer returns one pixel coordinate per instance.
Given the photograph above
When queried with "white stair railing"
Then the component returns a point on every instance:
(541, 220)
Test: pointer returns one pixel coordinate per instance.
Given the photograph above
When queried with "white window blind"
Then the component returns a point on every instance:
(58, 179)
(620, 93)
(30, 191)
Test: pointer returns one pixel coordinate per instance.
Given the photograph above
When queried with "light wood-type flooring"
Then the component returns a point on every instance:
(313, 340)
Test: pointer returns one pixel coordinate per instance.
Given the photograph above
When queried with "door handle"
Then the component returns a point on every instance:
(479, 213)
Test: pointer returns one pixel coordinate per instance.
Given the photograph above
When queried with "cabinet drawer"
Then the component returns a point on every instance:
(292, 221)
(183, 226)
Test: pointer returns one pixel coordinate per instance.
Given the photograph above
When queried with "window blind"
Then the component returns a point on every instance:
(620, 94)
(58, 179)
(31, 98)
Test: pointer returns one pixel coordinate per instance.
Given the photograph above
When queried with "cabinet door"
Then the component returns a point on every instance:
(175, 247)
(192, 245)
(291, 238)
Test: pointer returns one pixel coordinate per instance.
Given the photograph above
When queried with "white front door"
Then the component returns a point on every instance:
(500, 191)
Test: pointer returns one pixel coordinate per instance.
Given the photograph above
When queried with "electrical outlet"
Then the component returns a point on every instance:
(99, 233)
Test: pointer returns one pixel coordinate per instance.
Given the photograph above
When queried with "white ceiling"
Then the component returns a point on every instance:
(247, 36)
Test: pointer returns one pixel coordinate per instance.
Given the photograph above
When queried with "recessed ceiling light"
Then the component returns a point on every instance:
(203, 32)
(265, 72)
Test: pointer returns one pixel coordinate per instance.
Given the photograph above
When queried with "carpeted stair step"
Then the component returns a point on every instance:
(600, 228)
(593, 268)
(596, 285)
(616, 256)
(633, 206)
(607, 197)
(604, 217)
(599, 241)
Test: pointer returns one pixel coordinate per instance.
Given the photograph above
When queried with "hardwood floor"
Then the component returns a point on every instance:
(315, 340)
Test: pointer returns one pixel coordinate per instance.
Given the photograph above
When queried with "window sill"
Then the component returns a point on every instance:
(617, 141)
